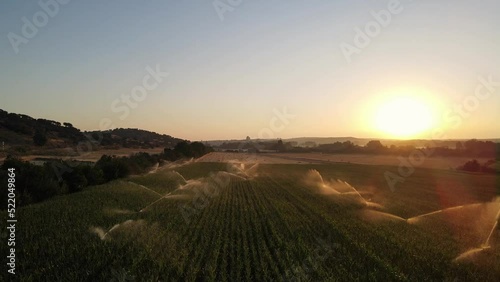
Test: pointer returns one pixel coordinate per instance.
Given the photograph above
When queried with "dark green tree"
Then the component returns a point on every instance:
(112, 167)
(472, 166)
(184, 148)
(40, 138)
(375, 146)
(75, 180)
(198, 149)
(280, 147)
(93, 174)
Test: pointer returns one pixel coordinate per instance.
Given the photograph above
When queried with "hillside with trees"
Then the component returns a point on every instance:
(22, 134)
(133, 138)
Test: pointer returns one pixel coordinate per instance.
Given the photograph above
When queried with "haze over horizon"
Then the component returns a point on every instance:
(233, 75)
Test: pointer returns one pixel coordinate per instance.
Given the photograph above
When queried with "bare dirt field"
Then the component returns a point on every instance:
(93, 156)
(318, 158)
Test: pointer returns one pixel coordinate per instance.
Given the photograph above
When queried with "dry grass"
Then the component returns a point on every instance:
(94, 156)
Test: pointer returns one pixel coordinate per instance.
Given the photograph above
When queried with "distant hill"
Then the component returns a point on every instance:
(316, 141)
(133, 137)
(308, 141)
(300, 141)
(18, 131)
(418, 143)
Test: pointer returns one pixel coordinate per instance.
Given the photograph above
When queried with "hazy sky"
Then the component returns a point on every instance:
(230, 70)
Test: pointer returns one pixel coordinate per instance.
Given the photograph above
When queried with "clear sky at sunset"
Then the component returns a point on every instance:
(230, 70)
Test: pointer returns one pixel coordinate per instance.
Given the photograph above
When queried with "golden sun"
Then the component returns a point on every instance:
(403, 117)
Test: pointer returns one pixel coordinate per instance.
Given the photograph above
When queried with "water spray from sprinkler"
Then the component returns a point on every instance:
(144, 187)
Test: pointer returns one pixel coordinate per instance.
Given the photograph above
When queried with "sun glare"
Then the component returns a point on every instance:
(403, 117)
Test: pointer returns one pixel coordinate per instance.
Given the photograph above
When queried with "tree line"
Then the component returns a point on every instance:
(36, 183)
(475, 166)
(22, 132)
(470, 148)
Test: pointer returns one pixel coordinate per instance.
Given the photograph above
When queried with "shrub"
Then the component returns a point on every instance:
(472, 166)
(93, 174)
(112, 167)
(75, 179)
(33, 183)
(39, 138)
